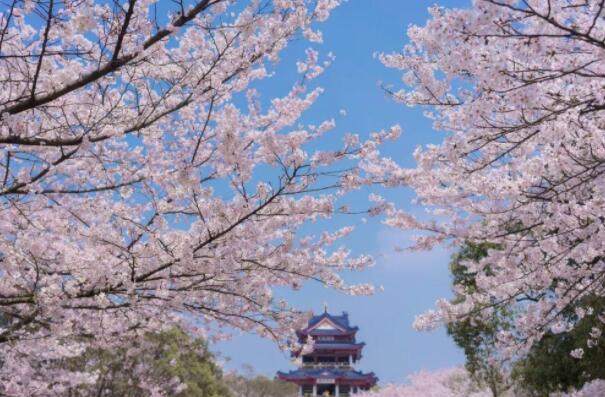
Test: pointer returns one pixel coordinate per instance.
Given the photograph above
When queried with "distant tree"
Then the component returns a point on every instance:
(166, 363)
(455, 382)
(249, 384)
(478, 337)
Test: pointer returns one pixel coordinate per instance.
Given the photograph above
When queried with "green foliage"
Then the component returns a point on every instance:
(478, 338)
(254, 385)
(166, 361)
(190, 362)
(461, 276)
(549, 368)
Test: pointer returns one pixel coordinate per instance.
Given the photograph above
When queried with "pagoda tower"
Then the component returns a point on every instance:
(329, 369)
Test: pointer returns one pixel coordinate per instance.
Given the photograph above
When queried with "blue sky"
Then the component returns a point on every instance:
(412, 281)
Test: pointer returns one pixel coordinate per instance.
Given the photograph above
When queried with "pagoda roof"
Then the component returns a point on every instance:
(334, 346)
(308, 374)
(337, 346)
(329, 324)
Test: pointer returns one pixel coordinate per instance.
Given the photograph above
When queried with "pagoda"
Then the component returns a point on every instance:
(329, 369)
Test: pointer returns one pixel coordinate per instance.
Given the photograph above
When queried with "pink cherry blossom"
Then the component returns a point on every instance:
(143, 184)
(518, 88)
(454, 382)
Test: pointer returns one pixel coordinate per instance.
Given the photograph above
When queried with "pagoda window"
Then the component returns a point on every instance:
(325, 338)
(325, 359)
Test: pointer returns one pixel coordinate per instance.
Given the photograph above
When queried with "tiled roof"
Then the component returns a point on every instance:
(338, 346)
(341, 321)
(315, 373)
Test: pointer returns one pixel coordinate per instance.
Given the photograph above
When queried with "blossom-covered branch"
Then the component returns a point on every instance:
(518, 87)
(143, 183)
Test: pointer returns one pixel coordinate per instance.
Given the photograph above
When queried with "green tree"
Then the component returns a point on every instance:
(250, 384)
(170, 362)
(549, 367)
(478, 338)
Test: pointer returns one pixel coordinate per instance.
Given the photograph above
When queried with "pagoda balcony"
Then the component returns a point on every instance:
(327, 365)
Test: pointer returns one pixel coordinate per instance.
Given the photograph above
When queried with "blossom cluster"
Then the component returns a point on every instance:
(454, 382)
(145, 183)
(517, 87)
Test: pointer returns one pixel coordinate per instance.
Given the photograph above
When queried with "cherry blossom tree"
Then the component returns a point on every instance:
(145, 184)
(517, 86)
(455, 382)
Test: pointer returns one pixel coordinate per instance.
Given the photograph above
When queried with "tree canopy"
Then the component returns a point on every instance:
(145, 182)
(164, 363)
(250, 384)
(478, 337)
(516, 87)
